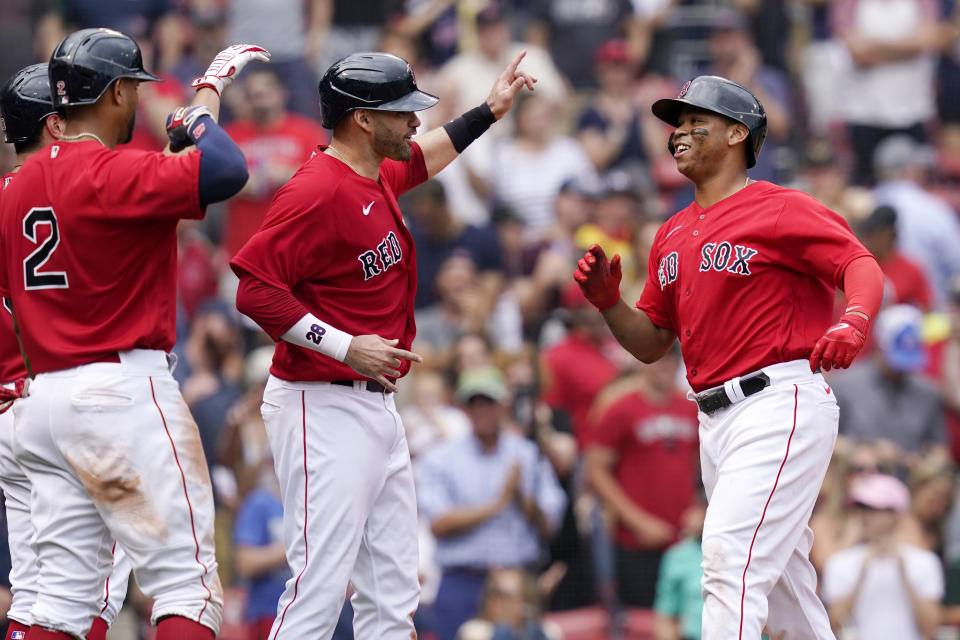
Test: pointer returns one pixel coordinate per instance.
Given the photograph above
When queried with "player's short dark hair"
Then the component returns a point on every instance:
(33, 142)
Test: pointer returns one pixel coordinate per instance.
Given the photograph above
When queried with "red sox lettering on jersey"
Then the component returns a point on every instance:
(761, 255)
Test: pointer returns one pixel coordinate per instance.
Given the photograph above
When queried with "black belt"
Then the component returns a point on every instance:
(711, 401)
(371, 385)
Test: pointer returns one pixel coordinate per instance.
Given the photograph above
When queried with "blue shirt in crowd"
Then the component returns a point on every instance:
(259, 523)
(459, 473)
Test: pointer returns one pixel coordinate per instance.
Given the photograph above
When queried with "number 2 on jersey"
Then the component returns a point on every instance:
(32, 277)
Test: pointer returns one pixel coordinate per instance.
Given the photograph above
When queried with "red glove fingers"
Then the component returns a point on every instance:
(599, 279)
(841, 343)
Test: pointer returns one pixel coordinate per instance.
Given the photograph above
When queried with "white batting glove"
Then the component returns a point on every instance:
(228, 64)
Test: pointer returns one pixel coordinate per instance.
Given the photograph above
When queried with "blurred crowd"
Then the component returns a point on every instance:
(558, 478)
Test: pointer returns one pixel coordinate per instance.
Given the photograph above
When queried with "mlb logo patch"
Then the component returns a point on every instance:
(18, 635)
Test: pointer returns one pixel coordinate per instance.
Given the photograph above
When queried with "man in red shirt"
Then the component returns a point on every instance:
(331, 276)
(275, 142)
(88, 238)
(906, 278)
(642, 463)
(744, 277)
(577, 368)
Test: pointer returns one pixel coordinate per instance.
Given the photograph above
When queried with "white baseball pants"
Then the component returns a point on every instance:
(350, 511)
(24, 572)
(112, 453)
(763, 461)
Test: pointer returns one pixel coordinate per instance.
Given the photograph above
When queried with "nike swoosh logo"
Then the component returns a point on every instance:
(366, 209)
(672, 230)
(842, 325)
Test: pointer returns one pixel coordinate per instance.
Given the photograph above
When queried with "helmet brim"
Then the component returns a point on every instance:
(146, 76)
(668, 109)
(414, 101)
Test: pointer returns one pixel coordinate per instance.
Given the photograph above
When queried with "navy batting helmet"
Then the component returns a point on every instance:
(25, 103)
(722, 96)
(86, 62)
(377, 81)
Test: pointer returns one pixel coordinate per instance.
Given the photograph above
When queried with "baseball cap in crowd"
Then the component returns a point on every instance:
(881, 492)
(485, 382)
(900, 151)
(612, 51)
(899, 335)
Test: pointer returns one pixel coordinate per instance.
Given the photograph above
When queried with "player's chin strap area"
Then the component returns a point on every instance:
(12, 391)
(733, 391)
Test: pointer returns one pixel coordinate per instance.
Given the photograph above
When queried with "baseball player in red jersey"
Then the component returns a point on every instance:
(331, 276)
(30, 123)
(88, 237)
(744, 277)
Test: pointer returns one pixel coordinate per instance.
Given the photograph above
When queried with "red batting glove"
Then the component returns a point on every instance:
(840, 344)
(599, 279)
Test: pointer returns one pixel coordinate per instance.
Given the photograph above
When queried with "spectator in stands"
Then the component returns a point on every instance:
(438, 234)
(259, 555)
(575, 370)
(931, 484)
(288, 29)
(906, 281)
(529, 168)
(928, 230)
(825, 176)
(275, 142)
(510, 610)
(574, 29)
(136, 19)
(946, 363)
(889, 87)
(611, 128)
(884, 398)
(429, 419)
(734, 55)
(678, 608)
(490, 499)
(617, 215)
(463, 306)
(642, 462)
(882, 588)
(215, 370)
(342, 27)
(834, 526)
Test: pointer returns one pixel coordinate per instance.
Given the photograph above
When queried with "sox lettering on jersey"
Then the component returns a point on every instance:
(724, 256)
(387, 254)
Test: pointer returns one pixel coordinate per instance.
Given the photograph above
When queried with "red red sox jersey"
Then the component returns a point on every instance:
(336, 240)
(89, 250)
(11, 364)
(657, 448)
(749, 281)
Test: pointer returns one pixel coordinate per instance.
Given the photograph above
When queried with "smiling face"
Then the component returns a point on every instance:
(704, 141)
(393, 132)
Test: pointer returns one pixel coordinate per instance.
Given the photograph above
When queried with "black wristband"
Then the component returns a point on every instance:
(469, 126)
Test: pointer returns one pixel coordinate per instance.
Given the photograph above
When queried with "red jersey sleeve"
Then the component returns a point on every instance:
(813, 239)
(296, 238)
(144, 184)
(652, 301)
(403, 176)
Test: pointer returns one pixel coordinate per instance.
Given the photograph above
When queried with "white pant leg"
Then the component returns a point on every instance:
(332, 448)
(122, 435)
(769, 454)
(795, 609)
(23, 561)
(385, 576)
